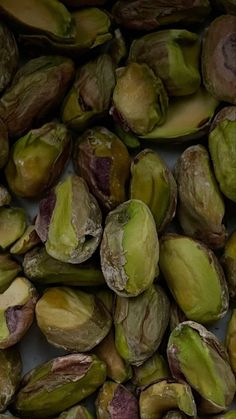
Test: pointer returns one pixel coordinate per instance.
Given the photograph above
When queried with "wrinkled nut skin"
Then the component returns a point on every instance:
(17, 306)
(140, 324)
(192, 272)
(227, 113)
(37, 160)
(76, 412)
(129, 249)
(10, 374)
(231, 340)
(219, 59)
(4, 144)
(8, 56)
(201, 207)
(36, 90)
(114, 401)
(221, 141)
(139, 110)
(58, 385)
(12, 225)
(76, 239)
(90, 96)
(173, 55)
(26, 242)
(198, 357)
(9, 268)
(228, 261)
(118, 49)
(72, 319)
(153, 183)
(102, 159)
(152, 370)
(149, 15)
(5, 197)
(117, 369)
(164, 395)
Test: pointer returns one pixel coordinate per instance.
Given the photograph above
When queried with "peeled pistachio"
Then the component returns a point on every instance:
(218, 59)
(37, 160)
(58, 385)
(107, 298)
(12, 225)
(90, 96)
(197, 356)
(4, 145)
(140, 324)
(9, 268)
(231, 340)
(153, 183)
(231, 414)
(36, 90)
(187, 118)
(150, 14)
(41, 268)
(201, 206)
(139, 110)
(8, 57)
(114, 401)
(69, 221)
(26, 242)
(165, 395)
(222, 142)
(129, 249)
(173, 55)
(175, 414)
(227, 113)
(118, 49)
(72, 319)
(5, 197)
(176, 315)
(10, 373)
(76, 412)
(228, 261)
(194, 277)
(118, 369)
(17, 305)
(103, 161)
(152, 370)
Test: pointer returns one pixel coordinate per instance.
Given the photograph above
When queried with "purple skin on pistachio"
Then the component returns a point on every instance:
(102, 169)
(123, 405)
(43, 219)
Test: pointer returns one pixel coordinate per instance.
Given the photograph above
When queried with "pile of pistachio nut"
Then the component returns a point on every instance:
(123, 264)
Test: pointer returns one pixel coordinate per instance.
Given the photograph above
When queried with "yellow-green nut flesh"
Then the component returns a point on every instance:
(118, 369)
(228, 261)
(72, 319)
(10, 374)
(222, 142)
(114, 401)
(231, 414)
(201, 207)
(37, 160)
(26, 242)
(90, 96)
(76, 412)
(17, 306)
(152, 370)
(5, 197)
(129, 249)
(194, 277)
(9, 268)
(12, 225)
(164, 395)
(174, 56)
(140, 324)
(187, 118)
(139, 110)
(58, 385)
(43, 269)
(8, 56)
(4, 144)
(198, 357)
(153, 183)
(102, 159)
(231, 340)
(218, 59)
(69, 221)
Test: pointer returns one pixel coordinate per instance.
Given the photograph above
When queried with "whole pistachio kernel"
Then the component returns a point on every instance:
(197, 356)
(76, 412)
(10, 374)
(26, 242)
(129, 249)
(17, 305)
(155, 368)
(12, 225)
(231, 340)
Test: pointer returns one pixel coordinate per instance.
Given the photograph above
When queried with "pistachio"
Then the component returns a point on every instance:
(231, 414)
(5, 197)
(10, 373)
(176, 315)
(107, 298)
(228, 261)
(26, 242)
(72, 319)
(231, 340)
(17, 305)
(103, 161)
(4, 144)
(175, 414)
(129, 249)
(152, 370)
(197, 356)
(8, 57)
(9, 268)
(12, 225)
(76, 412)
